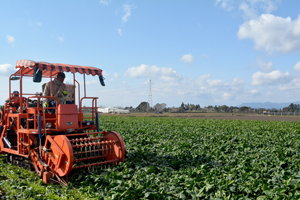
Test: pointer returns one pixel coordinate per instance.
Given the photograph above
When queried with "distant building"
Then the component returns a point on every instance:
(113, 110)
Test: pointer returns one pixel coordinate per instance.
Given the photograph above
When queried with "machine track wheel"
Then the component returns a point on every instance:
(66, 159)
(119, 148)
(9, 158)
(56, 159)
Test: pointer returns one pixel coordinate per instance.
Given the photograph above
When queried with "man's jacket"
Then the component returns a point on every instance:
(57, 91)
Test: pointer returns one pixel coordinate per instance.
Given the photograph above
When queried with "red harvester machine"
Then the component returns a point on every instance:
(55, 140)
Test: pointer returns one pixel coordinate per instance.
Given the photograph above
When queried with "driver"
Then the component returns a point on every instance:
(59, 90)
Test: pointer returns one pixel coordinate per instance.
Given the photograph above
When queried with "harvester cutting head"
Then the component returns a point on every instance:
(55, 140)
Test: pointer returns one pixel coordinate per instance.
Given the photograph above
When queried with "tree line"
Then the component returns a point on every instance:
(187, 107)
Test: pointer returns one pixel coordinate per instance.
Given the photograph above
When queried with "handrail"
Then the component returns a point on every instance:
(41, 110)
(78, 92)
(94, 108)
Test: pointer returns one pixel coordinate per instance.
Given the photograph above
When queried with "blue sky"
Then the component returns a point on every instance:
(201, 52)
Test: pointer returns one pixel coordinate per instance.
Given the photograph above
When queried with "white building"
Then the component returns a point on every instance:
(113, 110)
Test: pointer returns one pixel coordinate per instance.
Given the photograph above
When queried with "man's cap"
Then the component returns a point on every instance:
(61, 75)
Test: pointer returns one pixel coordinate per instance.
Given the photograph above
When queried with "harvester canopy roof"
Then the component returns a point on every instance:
(28, 67)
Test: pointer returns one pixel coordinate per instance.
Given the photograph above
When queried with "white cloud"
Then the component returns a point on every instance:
(293, 86)
(268, 79)
(150, 72)
(263, 65)
(269, 32)
(140, 71)
(253, 7)
(297, 66)
(249, 12)
(6, 69)
(10, 39)
(105, 73)
(120, 31)
(272, 33)
(93, 82)
(267, 6)
(215, 83)
(115, 75)
(170, 86)
(202, 80)
(127, 10)
(225, 4)
(105, 2)
(226, 96)
(68, 80)
(35, 25)
(146, 82)
(170, 83)
(236, 81)
(254, 92)
(61, 39)
(205, 56)
(187, 58)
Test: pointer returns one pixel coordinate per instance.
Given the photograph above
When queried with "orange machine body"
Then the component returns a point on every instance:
(53, 141)
(68, 117)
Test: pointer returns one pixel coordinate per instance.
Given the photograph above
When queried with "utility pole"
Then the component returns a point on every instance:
(149, 98)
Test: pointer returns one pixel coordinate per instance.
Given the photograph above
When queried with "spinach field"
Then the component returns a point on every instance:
(169, 158)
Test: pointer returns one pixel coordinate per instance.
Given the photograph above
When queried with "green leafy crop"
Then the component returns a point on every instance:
(169, 158)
